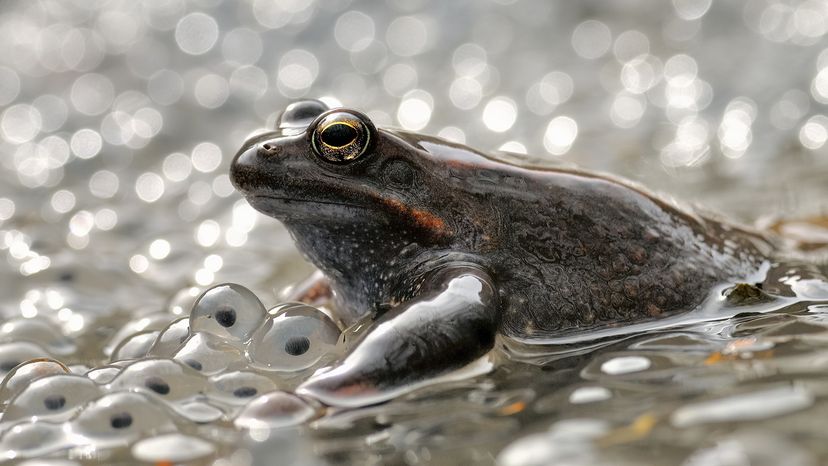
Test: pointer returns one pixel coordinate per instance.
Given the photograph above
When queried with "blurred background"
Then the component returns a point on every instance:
(118, 120)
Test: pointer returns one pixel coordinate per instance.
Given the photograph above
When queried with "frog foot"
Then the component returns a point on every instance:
(449, 325)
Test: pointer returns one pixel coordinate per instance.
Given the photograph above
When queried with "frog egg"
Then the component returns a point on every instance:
(118, 419)
(38, 331)
(276, 409)
(104, 374)
(197, 411)
(136, 346)
(229, 311)
(172, 448)
(32, 439)
(154, 321)
(294, 337)
(177, 385)
(239, 387)
(166, 378)
(12, 354)
(209, 354)
(300, 114)
(171, 338)
(52, 397)
(21, 376)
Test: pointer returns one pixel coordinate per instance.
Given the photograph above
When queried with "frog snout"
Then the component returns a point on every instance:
(261, 165)
(245, 168)
(243, 163)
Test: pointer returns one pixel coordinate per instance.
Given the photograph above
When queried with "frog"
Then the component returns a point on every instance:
(436, 248)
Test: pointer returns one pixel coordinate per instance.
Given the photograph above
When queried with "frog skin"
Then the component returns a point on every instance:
(446, 247)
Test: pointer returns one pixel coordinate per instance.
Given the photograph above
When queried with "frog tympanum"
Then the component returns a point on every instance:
(445, 247)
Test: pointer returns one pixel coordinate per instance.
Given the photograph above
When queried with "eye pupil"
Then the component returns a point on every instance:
(339, 135)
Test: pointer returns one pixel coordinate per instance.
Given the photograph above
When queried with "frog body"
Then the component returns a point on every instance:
(447, 246)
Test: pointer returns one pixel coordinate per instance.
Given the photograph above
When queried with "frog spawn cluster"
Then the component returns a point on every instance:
(231, 360)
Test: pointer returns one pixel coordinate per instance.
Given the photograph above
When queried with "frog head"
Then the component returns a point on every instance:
(329, 167)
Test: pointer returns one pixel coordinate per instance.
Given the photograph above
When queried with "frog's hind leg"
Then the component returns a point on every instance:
(451, 323)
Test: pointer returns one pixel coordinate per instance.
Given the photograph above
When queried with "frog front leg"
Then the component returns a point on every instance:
(450, 323)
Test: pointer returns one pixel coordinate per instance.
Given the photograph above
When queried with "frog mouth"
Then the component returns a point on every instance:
(293, 208)
(315, 211)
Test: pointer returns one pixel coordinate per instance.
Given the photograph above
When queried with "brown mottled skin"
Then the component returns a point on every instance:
(540, 251)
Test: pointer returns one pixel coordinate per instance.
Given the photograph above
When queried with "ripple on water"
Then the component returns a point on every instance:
(589, 395)
(172, 448)
(625, 365)
(758, 404)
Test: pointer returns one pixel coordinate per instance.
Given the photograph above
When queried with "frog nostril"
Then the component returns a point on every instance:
(269, 150)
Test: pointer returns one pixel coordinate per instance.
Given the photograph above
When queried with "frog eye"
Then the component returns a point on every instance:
(342, 136)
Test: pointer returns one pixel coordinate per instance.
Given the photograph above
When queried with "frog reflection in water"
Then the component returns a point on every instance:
(446, 247)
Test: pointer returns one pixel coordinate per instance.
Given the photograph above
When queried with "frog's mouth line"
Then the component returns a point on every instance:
(289, 209)
(285, 207)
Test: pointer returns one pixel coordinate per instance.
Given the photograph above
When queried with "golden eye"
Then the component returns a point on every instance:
(342, 137)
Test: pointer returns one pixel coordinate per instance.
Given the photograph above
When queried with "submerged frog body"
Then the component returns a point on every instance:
(446, 246)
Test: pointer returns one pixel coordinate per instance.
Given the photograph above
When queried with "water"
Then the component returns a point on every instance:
(117, 124)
